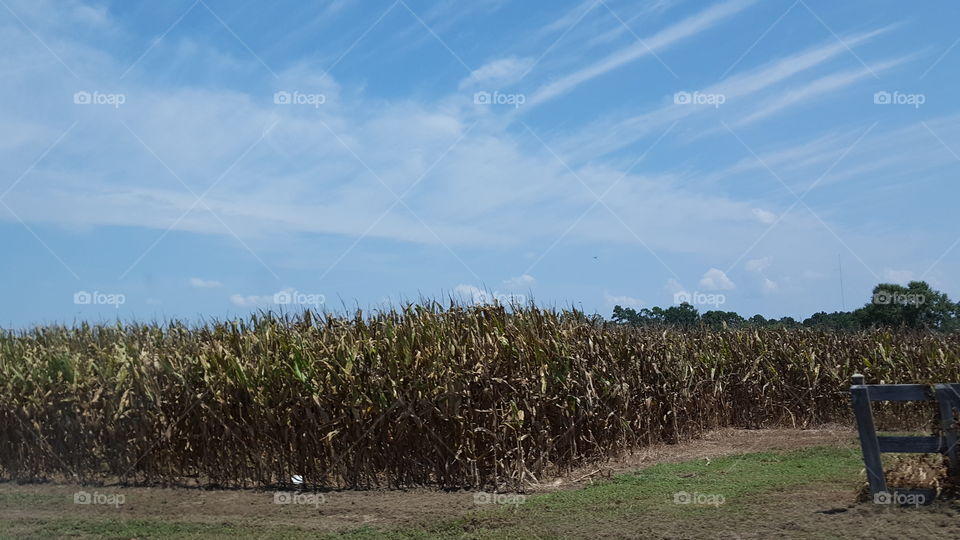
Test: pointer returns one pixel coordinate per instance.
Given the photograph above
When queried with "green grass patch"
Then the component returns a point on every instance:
(737, 479)
(11, 499)
(743, 484)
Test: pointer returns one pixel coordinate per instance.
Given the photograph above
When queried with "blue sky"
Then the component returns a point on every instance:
(208, 158)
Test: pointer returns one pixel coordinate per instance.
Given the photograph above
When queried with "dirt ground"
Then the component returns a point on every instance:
(340, 510)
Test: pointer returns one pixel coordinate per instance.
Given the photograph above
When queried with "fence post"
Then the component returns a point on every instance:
(946, 399)
(868, 434)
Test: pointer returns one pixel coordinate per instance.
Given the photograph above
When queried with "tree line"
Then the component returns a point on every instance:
(915, 306)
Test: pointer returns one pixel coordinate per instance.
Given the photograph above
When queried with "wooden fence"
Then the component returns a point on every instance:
(947, 397)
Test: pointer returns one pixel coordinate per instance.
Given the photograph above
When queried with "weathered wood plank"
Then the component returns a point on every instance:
(947, 401)
(900, 392)
(868, 436)
(916, 445)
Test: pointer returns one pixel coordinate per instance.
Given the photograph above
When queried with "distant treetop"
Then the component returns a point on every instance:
(915, 306)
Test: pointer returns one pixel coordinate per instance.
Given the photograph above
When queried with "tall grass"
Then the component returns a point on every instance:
(426, 394)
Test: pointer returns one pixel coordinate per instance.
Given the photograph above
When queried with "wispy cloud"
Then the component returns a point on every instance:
(758, 265)
(204, 283)
(611, 134)
(900, 277)
(571, 16)
(520, 282)
(633, 14)
(817, 88)
(251, 300)
(611, 300)
(497, 73)
(299, 183)
(665, 38)
(764, 216)
(476, 295)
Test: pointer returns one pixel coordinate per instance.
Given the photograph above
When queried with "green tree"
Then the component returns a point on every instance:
(788, 322)
(682, 315)
(838, 320)
(622, 315)
(915, 306)
(721, 319)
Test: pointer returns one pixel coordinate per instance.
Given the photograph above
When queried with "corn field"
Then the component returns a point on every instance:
(449, 396)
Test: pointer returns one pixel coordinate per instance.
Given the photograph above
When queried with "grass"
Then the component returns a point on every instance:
(741, 481)
(752, 485)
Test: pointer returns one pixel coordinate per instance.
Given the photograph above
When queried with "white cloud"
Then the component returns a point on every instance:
(673, 286)
(684, 29)
(316, 186)
(623, 301)
(204, 283)
(468, 291)
(623, 24)
(520, 282)
(251, 300)
(817, 88)
(285, 297)
(568, 19)
(328, 191)
(610, 134)
(901, 277)
(258, 300)
(758, 265)
(94, 16)
(715, 280)
(769, 285)
(476, 295)
(497, 73)
(764, 216)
